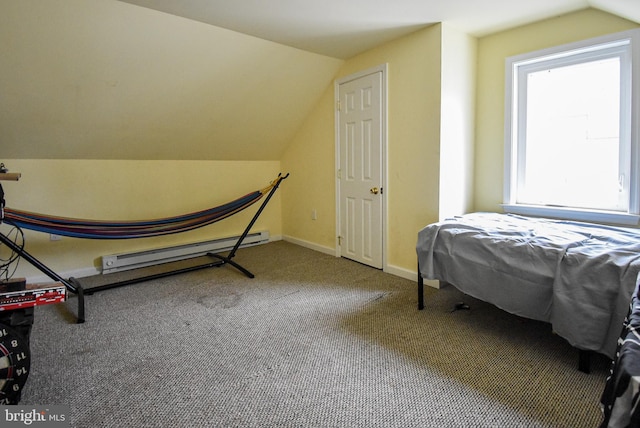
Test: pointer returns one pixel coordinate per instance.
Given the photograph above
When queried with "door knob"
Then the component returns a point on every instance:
(374, 190)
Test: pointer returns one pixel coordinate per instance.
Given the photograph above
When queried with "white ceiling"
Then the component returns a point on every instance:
(344, 28)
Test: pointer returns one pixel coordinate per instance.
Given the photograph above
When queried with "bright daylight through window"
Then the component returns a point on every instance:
(571, 144)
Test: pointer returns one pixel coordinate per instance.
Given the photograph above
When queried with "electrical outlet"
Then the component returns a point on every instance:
(53, 237)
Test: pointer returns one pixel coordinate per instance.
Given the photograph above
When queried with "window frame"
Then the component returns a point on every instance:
(630, 89)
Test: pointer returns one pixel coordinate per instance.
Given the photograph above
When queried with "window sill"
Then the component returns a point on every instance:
(607, 217)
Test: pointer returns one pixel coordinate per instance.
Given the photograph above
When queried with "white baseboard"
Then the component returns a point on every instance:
(411, 275)
(393, 270)
(90, 271)
(310, 245)
(402, 272)
(433, 283)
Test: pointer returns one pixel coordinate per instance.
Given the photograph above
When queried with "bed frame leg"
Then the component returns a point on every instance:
(584, 361)
(420, 290)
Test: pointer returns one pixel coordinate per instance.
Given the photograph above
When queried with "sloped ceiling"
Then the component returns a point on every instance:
(96, 79)
(201, 79)
(344, 28)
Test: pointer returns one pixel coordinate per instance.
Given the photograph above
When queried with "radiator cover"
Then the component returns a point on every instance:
(138, 259)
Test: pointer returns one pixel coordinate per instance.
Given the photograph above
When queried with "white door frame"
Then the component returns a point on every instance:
(383, 141)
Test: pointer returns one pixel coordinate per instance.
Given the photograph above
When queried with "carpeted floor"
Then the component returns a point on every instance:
(312, 341)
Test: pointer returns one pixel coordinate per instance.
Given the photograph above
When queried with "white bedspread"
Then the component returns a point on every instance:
(577, 276)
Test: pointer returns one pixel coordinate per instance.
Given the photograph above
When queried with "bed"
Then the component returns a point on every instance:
(579, 277)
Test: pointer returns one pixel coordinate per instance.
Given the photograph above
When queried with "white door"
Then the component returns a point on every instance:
(360, 169)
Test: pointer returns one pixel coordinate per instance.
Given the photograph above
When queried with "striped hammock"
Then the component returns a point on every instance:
(100, 229)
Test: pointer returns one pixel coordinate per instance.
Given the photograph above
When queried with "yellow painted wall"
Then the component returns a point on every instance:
(133, 190)
(112, 110)
(413, 150)
(457, 124)
(424, 111)
(492, 52)
(310, 159)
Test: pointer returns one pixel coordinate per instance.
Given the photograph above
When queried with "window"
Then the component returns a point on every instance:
(571, 139)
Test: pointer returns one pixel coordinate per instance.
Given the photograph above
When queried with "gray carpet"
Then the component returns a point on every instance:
(312, 341)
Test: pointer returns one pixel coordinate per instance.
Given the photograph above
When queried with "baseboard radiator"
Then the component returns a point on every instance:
(139, 259)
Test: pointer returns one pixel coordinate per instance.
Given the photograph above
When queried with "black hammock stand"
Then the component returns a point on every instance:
(91, 229)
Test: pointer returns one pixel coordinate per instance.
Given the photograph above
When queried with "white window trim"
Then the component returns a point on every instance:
(632, 217)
